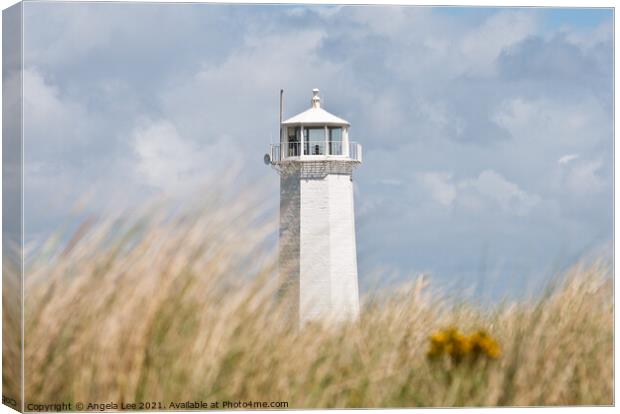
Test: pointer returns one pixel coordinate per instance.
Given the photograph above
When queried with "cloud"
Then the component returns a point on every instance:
(164, 160)
(490, 185)
(556, 60)
(483, 45)
(487, 191)
(554, 125)
(587, 39)
(584, 178)
(167, 162)
(47, 113)
(565, 159)
(440, 186)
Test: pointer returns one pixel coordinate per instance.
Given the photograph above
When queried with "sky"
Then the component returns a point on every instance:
(487, 132)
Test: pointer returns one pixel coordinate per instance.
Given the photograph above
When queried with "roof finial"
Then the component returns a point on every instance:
(316, 100)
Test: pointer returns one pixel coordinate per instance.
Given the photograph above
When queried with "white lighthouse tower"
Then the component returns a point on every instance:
(317, 254)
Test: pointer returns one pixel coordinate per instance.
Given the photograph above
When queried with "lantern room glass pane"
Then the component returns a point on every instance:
(315, 141)
(335, 141)
(293, 144)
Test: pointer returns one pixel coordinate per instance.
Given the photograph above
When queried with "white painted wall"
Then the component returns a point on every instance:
(314, 262)
(344, 286)
(317, 245)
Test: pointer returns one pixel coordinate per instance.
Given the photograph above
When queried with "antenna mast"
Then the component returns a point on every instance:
(281, 109)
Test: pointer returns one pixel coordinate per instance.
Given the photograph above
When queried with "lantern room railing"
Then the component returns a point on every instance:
(311, 149)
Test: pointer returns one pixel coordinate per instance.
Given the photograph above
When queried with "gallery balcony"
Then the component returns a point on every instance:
(315, 151)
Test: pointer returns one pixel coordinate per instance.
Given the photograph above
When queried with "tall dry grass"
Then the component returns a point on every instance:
(176, 307)
(11, 324)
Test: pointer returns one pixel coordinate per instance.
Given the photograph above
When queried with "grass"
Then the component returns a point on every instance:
(176, 307)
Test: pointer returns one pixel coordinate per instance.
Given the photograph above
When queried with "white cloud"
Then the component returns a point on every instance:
(481, 46)
(239, 96)
(82, 32)
(50, 120)
(554, 127)
(488, 190)
(402, 20)
(440, 186)
(586, 39)
(567, 158)
(166, 161)
(491, 185)
(583, 178)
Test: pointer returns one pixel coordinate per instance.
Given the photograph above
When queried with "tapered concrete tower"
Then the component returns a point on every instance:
(317, 254)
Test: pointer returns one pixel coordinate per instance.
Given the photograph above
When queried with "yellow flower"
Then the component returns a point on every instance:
(449, 342)
(459, 345)
(453, 344)
(438, 344)
(483, 344)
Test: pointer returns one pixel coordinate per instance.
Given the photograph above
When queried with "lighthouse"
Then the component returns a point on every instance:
(317, 255)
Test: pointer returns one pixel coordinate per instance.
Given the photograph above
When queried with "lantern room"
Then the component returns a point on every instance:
(314, 135)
